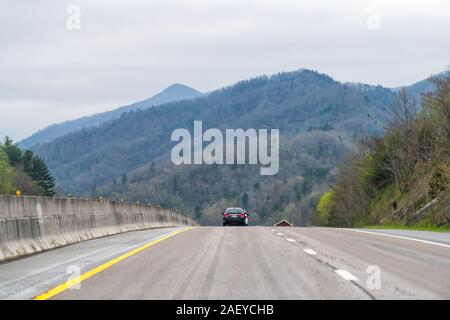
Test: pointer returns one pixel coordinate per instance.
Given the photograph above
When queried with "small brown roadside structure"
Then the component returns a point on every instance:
(283, 223)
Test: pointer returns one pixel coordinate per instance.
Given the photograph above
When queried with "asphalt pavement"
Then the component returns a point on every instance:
(239, 263)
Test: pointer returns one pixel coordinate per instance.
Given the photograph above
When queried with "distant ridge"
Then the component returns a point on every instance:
(175, 92)
(320, 121)
(416, 89)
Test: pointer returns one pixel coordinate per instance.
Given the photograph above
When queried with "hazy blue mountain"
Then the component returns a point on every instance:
(174, 92)
(382, 94)
(423, 86)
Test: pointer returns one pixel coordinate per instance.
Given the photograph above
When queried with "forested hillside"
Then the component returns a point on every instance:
(402, 178)
(23, 171)
(307, 162)
(319, 120)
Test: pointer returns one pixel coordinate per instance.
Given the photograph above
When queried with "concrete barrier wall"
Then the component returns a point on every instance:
(33, 224)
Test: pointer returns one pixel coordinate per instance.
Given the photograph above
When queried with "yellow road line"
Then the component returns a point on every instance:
(64, 286)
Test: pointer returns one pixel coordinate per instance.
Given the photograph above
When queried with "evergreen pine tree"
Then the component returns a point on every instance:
(33, 166)
(13, 152)
(42, 176)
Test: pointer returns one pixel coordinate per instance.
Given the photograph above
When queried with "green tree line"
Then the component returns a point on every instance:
(23, 171)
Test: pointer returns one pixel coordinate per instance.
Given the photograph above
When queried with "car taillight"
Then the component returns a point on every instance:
(225, 214)
(242, 215)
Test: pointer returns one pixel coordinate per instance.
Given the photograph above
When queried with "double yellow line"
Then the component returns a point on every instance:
(64, 286)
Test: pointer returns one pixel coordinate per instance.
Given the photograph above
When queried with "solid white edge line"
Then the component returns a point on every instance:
(346, 275)
(400, 237)
(310, 252)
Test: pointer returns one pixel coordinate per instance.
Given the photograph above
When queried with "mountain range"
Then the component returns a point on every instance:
(174, 92)
(320, 121)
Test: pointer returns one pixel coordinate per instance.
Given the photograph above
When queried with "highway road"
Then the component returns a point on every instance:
(239, 263)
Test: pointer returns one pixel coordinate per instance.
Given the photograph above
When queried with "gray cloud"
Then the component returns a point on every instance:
(126, 51)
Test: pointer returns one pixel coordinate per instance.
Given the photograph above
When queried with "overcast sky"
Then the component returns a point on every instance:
(126, 51)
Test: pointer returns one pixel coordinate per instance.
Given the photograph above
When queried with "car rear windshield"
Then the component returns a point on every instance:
(233, 211)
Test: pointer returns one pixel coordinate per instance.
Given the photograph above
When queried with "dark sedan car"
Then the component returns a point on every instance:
(235, 216)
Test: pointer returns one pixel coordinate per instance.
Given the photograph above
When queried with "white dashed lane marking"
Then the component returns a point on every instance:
(343, 273)
(346, 275)
(310, 252)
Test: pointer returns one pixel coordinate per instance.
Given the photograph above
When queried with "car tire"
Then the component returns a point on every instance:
(224, 224)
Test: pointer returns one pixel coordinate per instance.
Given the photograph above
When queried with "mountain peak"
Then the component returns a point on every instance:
(176, 86)
(174, 92)
(179, 90)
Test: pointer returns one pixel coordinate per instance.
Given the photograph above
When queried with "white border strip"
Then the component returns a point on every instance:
(400, 237)
(310, 252)
(346, 275)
